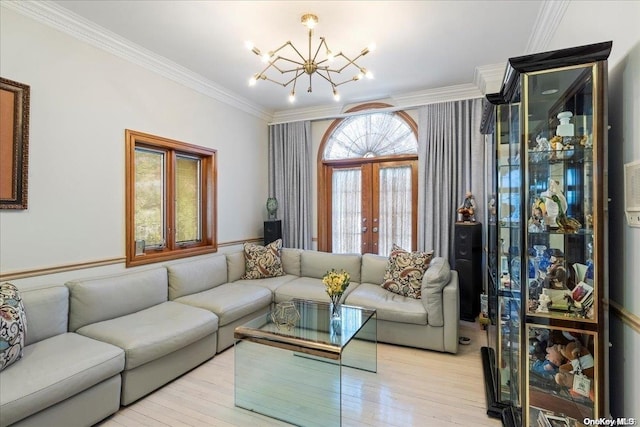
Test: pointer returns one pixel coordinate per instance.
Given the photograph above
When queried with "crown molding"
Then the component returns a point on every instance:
(406, 101)
(549, 17)
(57, 17)
(488, 78)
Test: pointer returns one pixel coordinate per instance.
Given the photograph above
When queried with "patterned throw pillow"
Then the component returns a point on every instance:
(405, 271)
(262, 261)
(13, 325)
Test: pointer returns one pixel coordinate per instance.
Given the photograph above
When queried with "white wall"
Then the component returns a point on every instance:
(592, 22)
(82, 100)
(624, 245)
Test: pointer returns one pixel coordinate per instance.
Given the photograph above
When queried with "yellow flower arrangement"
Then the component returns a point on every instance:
(336, 282)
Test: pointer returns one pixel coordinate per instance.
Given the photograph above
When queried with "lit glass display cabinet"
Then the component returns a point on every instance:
(545, 362)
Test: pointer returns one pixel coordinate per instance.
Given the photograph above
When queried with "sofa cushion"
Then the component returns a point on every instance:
(271, 283)
(405, 271)
(435, 279)
(389, 306)
(373, 268)
(307, 288)
(291, 260)
(316, 264)
(230, 301)
(154, 332)
(53, 370)
(262, 261)
(235, 265)
(103, 298)
(47, 310)
(13, 325)
(195, 276)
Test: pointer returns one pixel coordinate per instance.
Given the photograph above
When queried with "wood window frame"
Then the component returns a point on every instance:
(208, 205)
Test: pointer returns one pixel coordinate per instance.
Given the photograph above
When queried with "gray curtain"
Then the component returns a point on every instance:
(450, 163)
(290, 180)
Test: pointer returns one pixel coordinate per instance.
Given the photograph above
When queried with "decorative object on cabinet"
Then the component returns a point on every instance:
(550, 156)
(468, 263)
(272, 230)
(14, 144)
(272, 207)
(467, 210)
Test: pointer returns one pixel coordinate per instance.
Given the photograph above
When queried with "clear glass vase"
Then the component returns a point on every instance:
(336, 306)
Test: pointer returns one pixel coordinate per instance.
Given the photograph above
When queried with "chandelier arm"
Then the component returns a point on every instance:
(327, 78)
(298, 52)
(300, 64)
(349, 62)
(322, 41)
(280, 83)
(353, 79)
(281, 47)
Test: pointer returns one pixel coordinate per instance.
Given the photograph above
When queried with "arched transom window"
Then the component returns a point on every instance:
(371, 135)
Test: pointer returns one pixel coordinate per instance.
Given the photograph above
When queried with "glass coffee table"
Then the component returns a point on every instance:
(294, 372)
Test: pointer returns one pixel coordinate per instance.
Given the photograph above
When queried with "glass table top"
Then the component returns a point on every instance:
(311, 331)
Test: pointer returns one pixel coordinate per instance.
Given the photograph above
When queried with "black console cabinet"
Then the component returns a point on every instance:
(272, 230)
(468, 263)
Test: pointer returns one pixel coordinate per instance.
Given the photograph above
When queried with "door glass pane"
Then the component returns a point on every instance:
(346, 210)
(149, 197)
(395, 209)
(187, 199)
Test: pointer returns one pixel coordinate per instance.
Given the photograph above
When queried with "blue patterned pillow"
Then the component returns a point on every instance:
(13, 325)
(263, 261)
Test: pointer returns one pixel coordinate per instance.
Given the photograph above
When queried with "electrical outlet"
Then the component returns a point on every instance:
(633, 219)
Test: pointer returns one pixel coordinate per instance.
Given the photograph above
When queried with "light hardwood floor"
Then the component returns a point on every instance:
(411, 388)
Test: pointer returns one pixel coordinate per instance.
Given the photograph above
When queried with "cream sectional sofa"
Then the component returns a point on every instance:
(99, 343)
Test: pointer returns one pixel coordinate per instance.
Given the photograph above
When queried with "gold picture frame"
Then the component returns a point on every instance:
(14, 144)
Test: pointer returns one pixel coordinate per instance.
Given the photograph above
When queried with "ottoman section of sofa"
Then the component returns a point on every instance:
(234, 304)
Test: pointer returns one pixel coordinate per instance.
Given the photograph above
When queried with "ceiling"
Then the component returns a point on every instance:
(421, 45)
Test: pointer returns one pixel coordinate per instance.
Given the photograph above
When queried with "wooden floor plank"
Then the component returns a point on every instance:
(411, 388)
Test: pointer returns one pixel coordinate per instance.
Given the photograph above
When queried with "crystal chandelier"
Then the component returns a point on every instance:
(293, 68)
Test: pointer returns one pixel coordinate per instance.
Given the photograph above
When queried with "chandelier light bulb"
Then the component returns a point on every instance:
(336, 95)
(266, 57)
(330, 56)
(292, 97)
(248, 44)
(252, 81)
(372, 47)
(369, 75)
(359, 76)
(310, 20)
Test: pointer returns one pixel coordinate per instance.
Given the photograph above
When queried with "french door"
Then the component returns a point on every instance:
(370, 205)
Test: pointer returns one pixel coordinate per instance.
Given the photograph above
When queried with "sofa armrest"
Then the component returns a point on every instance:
(451, 313)
(435, 279)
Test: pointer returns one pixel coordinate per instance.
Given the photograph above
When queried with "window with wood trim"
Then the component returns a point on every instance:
(170, 199)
